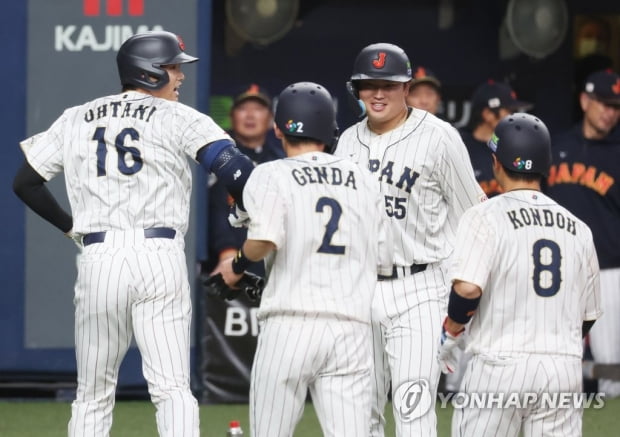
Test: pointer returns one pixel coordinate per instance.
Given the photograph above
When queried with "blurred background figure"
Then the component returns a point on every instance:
(425, 91)
(584, 179)
(252, 129)
(491, 101)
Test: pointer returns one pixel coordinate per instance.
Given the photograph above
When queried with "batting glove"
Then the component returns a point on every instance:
(238, 218)
(448, 357)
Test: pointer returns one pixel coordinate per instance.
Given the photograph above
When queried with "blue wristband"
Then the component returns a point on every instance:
(461, 309)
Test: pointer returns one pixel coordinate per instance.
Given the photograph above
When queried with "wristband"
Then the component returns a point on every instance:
(461, 309)
(240, 262)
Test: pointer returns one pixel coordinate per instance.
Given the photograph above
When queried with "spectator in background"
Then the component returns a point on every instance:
(425, 91)
(252, 129)
(585, 178)
(223, 367)
(490, 102)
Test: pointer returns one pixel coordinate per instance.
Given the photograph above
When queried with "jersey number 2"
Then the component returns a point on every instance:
(550, 269)
(122, 150)
(332, 225)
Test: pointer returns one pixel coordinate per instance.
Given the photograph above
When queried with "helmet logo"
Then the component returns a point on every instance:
(380, 61)
(420, 73)
(181, 43)
(616, 87)
(294, 127)
(520, 165)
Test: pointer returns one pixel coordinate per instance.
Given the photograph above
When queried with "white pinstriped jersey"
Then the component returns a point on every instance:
(319, 211)
(537, 267)
(122, 160)
(427, 180)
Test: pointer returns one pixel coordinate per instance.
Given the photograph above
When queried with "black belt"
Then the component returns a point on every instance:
(99, 237)
(401, 272)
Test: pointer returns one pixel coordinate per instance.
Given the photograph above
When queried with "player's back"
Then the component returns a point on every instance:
(125, 161)
(541, 267)
(327, 248)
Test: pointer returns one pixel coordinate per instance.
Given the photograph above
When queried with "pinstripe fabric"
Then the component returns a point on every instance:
(536, 265)
(128, 286)
(522, 374)
(605, 334)
(427, 182)
(315, 309)
(125, 160)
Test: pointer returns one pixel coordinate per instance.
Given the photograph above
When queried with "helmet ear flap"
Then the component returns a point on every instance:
(353, 98)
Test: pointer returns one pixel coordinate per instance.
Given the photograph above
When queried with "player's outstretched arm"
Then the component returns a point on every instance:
(30, 188)
(229, 165)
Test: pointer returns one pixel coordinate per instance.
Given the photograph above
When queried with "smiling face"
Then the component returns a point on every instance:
(385, 103)
(170, 91)
(424, 96)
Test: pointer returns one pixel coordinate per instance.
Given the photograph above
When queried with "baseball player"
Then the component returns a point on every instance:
(128, 179)
(310, 215)
(527, 270)
(585, 178)
(427, 182)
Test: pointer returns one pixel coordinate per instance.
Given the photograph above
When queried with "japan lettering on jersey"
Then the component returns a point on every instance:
(426, 178)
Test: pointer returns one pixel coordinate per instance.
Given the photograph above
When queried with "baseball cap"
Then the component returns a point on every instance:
(604, 86)
(252, 91)
(424, 75)
(498, 95)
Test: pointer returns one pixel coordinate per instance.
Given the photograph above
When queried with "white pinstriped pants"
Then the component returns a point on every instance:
(407, 316)
(605, 334)
(329, 357)
(126, 286)
(528, 373)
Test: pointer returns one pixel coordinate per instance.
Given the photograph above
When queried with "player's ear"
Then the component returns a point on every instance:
(278, 132)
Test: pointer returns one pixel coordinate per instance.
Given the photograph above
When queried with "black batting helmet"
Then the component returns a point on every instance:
(306, 110)
(142, 55)
(522, 144)
(382, 61)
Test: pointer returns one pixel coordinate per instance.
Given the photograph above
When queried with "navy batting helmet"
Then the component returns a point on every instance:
(522, 144)
(142, 55)
(306, 110)
(382, 61)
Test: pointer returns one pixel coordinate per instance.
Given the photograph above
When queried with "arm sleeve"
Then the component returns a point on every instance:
(592, 307)
(266, 205)
(474, 249)
(231, 167)
(460, 186)
(30, 188)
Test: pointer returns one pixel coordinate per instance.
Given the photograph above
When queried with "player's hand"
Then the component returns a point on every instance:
(448, 358)
(249, 283)
(77, 238)
(238, 218)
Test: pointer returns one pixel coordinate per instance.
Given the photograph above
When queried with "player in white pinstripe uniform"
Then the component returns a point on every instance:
(527, 270)
(312, 215)
(427, 182)
(128, 180)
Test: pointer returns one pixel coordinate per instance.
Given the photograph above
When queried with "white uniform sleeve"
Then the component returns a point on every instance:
(474, 251)
(44, 151)
(200, 131)
(266, 205)
(592, 294)
(459, 183)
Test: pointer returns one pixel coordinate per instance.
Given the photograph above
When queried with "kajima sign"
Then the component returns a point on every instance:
(101, 37)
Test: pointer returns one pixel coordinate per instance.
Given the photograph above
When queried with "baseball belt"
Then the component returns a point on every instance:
(401, 272)
(99, 237)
